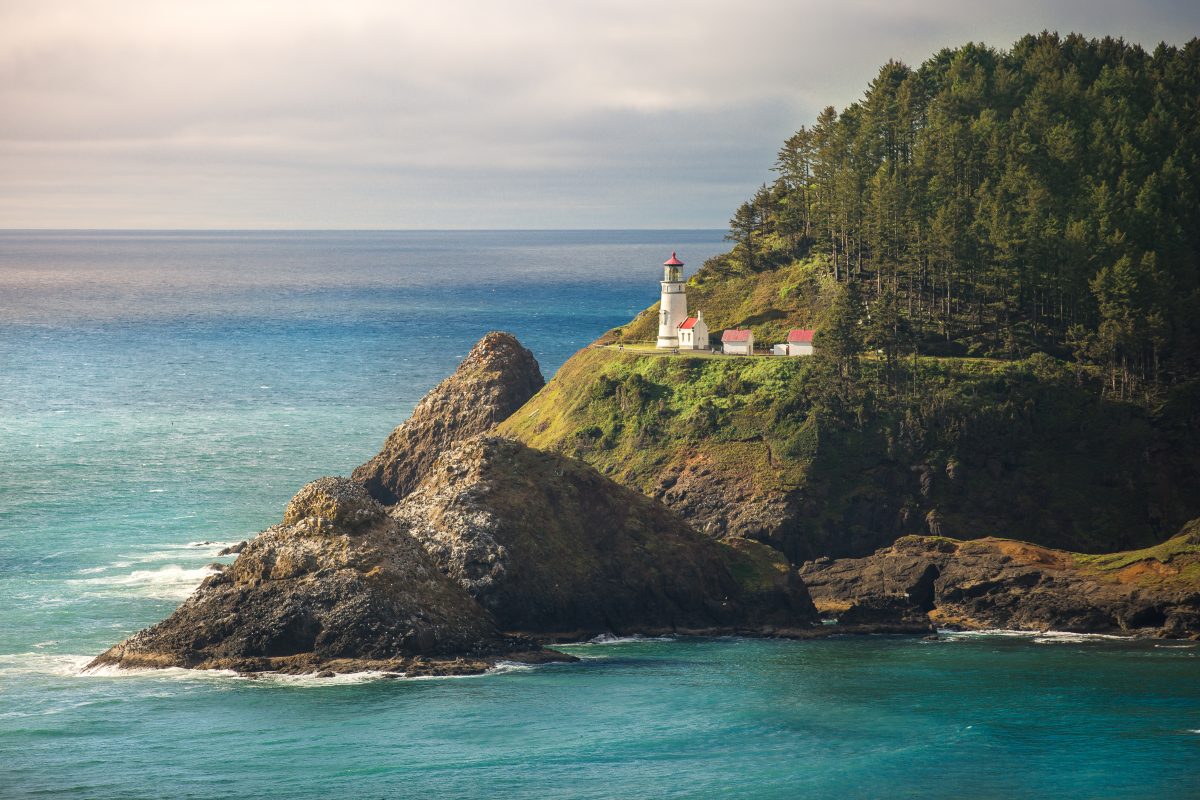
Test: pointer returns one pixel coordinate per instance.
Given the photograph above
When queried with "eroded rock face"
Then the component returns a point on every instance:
(495, 379)
(1001, 583)
(338, 583)
(548, 545)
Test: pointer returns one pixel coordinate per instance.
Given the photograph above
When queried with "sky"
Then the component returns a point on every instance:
(357, 114)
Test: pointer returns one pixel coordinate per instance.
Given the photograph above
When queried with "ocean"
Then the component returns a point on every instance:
(163, 394)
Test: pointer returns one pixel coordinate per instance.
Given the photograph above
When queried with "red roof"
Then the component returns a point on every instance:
(800, 336)
(735, 335)
(673, 262)
(688, 324)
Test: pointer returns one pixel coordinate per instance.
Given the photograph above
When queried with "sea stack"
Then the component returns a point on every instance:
(337, 585)
(496, 378)
(550, 547)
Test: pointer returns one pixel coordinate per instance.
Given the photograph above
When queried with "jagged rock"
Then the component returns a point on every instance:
(233, 549)
(338, 586)
(1001, 583)
(334, 501)
(548, 545)
(495, 379)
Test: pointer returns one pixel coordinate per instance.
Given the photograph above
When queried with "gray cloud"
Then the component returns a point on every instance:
(465, 113)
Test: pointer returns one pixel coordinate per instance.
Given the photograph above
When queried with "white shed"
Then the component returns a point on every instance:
(800, 342)
(738, 342)
(693, 333)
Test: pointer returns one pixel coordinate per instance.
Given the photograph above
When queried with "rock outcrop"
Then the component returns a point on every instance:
(338, 585)
(768, 449)
(549, 546)
(1001, 583)
(495, 379)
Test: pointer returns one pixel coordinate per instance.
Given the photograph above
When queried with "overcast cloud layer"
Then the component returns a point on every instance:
(451, 114)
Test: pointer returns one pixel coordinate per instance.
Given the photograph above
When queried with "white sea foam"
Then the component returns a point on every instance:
(1067, 637)
(1037, 637)
(32, 663)
(171, 582)
(167, 673)
(75, 667)
(988, 632)
(608, 638)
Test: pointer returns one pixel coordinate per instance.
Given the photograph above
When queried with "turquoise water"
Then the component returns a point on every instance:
(163, 394)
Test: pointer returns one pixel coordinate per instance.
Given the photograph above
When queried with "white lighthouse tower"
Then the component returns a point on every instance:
(673, 306)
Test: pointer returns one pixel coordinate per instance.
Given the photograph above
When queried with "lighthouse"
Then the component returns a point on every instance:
(673, 305)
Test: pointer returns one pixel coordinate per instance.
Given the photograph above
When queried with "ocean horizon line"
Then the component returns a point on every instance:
(357, 230)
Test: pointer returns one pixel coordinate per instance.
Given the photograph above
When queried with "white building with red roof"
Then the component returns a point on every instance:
(738, 342)
(693, 333)
(800, 342)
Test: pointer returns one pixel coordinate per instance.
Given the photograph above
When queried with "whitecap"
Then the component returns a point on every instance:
(171, 582)
(988, 632)
(163, 673)
(1037, 637)
(1067, 637)
(608, 638)
(31, 663)
(155, 491)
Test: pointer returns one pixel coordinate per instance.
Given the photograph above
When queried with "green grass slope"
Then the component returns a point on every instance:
(770, 303)
(957, 447)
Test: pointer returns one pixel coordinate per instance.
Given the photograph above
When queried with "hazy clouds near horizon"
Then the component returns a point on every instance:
(459, 114)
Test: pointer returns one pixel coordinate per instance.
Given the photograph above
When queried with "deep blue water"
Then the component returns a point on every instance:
(164, 393)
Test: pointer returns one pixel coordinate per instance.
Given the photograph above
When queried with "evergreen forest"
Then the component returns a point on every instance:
(1002, 203)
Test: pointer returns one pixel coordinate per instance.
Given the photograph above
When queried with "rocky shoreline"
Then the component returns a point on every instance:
(449, 541)
(455, 549)
(989, 584)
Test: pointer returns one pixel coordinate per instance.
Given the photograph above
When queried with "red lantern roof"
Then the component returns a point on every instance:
(673, 262)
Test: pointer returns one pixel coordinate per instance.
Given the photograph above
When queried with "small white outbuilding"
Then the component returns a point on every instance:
(738, 342)
(693, 333)
(800, 342)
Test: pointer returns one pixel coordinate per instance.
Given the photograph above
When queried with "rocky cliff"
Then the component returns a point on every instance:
(550, 546)
(491, 541)
(495, 379)
(1001, 583)
(338, 585)
(781, 450)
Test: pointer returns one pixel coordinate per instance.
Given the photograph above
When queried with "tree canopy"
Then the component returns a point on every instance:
(1043, 198)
